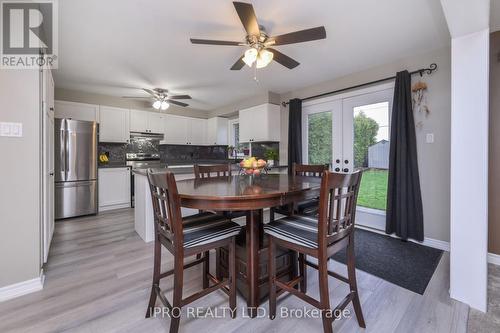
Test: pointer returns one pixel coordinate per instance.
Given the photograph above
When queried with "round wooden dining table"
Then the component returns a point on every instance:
(251, 194)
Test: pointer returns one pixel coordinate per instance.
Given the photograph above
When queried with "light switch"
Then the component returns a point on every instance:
(5, 129)
(429, 138)
(11, 129)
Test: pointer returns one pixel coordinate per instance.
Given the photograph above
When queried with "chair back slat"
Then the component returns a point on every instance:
(211, 171)
(166, 205)
(337, 206)
(309, 169)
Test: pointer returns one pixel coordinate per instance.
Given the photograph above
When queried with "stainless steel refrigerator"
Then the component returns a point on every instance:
(75, 168)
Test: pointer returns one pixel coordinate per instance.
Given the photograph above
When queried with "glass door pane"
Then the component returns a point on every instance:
(366, 146)
(319, 138)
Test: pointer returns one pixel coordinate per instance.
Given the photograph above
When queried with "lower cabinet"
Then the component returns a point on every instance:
(114, 188)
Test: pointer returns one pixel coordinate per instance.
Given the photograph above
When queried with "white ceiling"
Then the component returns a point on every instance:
(114, 47)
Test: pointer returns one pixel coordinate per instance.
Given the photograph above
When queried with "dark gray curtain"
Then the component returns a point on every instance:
(404, 214)
(294, 132)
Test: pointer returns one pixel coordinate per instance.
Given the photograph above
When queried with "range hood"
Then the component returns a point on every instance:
(146, 135)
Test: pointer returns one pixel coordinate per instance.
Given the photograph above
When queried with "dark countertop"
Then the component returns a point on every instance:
(113, 165)
(188, 168)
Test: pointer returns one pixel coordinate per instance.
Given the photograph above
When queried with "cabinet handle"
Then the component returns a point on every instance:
(51, 109)
(346, 170)
(337, 169)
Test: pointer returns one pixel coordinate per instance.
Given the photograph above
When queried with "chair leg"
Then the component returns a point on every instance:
(218, 269)
(232, 277)
(271, 214)
(324, 295)
(351, 271)
(156, 277)
(206, 268)
(303, 272)
(175, 317)
(272, 276)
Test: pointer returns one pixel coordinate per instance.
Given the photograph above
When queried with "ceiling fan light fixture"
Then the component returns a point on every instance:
(164, 105)
(157, 104)
(264, 58)
(250, 56)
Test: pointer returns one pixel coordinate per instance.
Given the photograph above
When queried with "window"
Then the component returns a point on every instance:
(319, 138)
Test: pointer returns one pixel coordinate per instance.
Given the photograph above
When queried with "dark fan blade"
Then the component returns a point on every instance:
(180, 97)
(238, 64)
(247, 16)
(177, 103)
(215, 42)
(300, 36)
(283, 59)
(149, 91)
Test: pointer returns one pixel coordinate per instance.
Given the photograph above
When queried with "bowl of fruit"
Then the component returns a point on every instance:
(252, 166)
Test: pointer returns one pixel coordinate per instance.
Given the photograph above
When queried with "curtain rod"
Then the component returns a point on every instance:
(432, 67)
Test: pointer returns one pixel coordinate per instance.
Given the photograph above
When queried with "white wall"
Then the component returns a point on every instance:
(20, 178)
(469, 169)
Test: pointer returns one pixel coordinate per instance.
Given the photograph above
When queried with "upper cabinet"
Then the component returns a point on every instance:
(147, 122)
(260, 123)
(197, 131)
(184, 130)
(77, 111)
(217, 131)
(113, 124)
(175, 130)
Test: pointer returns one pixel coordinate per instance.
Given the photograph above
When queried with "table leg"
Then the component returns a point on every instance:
(253, 238)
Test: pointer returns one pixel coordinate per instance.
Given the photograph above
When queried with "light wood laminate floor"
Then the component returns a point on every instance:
(98, 280)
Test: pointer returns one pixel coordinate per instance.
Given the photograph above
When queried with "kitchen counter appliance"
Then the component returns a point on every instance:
(141, 161)
(75, 168)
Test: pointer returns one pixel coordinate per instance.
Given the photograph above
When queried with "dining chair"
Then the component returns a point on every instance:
(320, 238)
(216, 171)
(184, 237)
(308, 207)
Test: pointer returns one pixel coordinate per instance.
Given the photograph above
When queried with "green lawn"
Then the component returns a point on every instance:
(373, 190)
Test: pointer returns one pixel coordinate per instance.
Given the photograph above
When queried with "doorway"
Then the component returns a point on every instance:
(351, 131)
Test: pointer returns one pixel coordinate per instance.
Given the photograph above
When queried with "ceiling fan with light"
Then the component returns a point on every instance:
(259, 52)
(161, 99)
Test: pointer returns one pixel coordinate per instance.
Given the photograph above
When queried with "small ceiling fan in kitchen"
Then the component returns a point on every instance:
(161, 98)
(259, 51)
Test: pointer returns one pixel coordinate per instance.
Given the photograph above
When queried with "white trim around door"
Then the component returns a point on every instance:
(22, 288)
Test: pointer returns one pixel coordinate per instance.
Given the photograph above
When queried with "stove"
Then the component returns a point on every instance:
(143, 160)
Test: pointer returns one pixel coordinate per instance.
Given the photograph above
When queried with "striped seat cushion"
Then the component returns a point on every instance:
(297, 229)
(309, 207)
(204, 228)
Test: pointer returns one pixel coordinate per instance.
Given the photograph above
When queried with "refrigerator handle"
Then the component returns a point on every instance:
(62, 144)
(65, 145)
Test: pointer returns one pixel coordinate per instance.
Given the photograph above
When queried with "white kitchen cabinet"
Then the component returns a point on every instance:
(197, 131)
(217, 131)
(146, 122)
(175, 130)
(155, 122)
(114, 188)
(184, 130)
(138, 121)
(260, 123)
(77, 111)
(113, 124)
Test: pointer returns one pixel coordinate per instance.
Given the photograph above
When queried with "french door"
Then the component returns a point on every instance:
(352, 131)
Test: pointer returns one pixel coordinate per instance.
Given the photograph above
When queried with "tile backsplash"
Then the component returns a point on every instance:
(168, 153)
(180, 153)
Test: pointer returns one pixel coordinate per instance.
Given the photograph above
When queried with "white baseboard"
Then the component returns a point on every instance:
(494, 258)
(22, 288)
(435, 243)
(431, 242)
